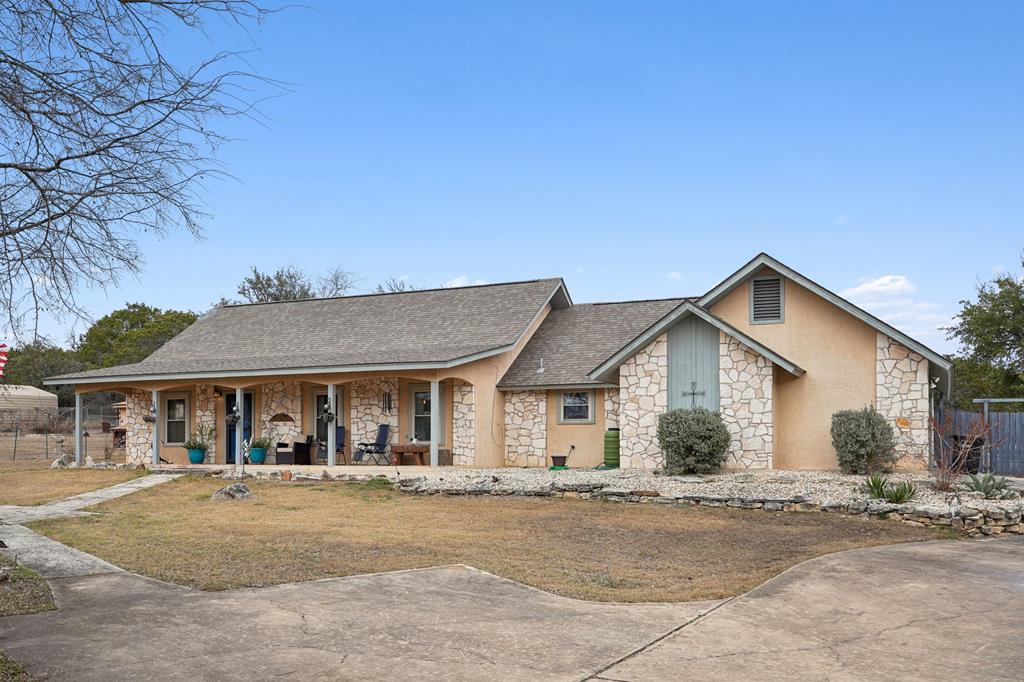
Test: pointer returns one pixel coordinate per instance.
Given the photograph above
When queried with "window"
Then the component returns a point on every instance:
(422, 408)
(766, 300)
(576, 407)
(175, 420)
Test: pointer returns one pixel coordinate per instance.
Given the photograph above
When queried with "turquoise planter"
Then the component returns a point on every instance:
(196, 456)
(257, 455)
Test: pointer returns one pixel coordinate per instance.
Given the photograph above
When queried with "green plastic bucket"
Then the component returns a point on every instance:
(611, 448)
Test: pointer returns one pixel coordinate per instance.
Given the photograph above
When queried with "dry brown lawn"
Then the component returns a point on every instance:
(31, 481)
(583, 549)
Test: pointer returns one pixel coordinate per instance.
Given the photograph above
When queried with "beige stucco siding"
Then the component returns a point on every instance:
(588, 438)
(836, 350)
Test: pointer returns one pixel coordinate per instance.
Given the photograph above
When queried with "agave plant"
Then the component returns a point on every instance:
(901, 492)
(875, 485)
(989, 485)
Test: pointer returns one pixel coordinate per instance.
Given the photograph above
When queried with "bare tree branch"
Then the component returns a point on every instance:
(102, 138)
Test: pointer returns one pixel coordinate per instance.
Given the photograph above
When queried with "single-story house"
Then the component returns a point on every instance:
(26, 402)
(511, 374)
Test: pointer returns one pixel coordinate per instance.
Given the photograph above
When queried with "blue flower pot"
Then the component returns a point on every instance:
(257, 455)
(196, 456)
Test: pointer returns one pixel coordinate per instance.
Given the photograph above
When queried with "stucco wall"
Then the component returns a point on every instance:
(838, 353)
(588, 438)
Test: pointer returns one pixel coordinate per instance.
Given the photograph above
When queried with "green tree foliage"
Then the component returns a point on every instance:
(990, 331)
(130, 335)
(29, 364)
(290, 284)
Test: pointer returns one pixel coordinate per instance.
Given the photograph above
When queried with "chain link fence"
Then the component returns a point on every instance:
(47, 434)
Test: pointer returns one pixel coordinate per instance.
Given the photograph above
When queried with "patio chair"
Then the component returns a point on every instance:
(339, 446)
(284, 453)
(375, 452)
(302, 450)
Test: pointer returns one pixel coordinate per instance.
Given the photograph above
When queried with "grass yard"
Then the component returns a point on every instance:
(583, 549)
(31, 482)
(25, 592)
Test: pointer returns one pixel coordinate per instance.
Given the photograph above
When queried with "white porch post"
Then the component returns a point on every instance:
(435, 420)
(156, 428)
(239, 426)
(78, 429)
(332, 428)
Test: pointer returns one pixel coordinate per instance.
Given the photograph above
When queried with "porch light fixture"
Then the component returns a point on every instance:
(327, 416)
(233, 416)
(151, 417)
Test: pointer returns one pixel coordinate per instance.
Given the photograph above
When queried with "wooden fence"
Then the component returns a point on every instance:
(1006, 446)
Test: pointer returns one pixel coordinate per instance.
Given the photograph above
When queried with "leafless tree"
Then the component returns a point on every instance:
(394, 285)
(954, 448)
(336, 282)
(102, 137)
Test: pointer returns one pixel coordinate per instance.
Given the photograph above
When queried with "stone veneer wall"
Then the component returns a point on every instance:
(138, 439)
(611, 408)
(901, 395)
(526, 428)
(463, 426)
(281, 397)
(365, 411)
(643, 396)
(206, 413)
(745, 390)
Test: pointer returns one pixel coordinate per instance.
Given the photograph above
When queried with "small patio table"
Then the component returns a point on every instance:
(418, 450)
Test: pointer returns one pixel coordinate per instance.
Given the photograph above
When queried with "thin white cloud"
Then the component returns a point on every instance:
(674, 275)
(462, 281)
(889, 298)
(886, 285)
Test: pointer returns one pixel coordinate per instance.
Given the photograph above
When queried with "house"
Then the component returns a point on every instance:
(511, 374)
(26, 403)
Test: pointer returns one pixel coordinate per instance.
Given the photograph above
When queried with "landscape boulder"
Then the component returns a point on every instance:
(235, 491)
(63, 461)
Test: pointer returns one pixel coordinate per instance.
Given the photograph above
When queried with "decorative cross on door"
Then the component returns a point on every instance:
(693, 393)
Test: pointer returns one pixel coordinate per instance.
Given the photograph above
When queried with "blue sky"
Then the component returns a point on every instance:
(639, 150)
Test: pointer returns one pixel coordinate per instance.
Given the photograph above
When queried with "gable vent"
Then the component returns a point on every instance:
(766, 300)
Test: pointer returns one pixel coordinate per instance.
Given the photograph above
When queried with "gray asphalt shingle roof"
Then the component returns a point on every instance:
(419, 327)
(575, 340)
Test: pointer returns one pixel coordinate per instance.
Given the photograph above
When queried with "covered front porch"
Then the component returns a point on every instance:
(308, 420)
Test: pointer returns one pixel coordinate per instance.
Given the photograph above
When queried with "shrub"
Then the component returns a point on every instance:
(863, 440)
(991, 486)
(901, 492)
(875, 486)
(694, 441)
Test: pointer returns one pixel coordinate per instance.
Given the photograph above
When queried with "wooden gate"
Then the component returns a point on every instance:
(1006, 440)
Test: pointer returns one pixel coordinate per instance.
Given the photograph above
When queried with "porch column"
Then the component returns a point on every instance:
(435, 420)
(78, 429)
(332, 428)
(239, 426)
(156, 428)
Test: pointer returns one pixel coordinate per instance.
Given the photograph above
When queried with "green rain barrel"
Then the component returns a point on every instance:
(611, 448)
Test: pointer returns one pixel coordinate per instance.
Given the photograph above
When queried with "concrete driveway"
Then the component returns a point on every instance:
(949, 610)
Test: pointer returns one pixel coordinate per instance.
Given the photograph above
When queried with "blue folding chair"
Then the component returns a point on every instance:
(376, 452)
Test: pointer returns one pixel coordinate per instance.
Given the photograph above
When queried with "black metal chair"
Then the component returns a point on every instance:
(339, 445)
(302, 450)
(377, 452)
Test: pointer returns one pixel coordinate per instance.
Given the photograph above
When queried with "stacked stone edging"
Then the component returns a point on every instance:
(971, 520)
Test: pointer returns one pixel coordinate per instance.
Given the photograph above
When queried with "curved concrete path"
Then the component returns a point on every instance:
(938, 610)
(929, 611)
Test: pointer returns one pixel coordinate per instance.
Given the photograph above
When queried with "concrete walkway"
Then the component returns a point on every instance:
(938, 610)
(50, 558)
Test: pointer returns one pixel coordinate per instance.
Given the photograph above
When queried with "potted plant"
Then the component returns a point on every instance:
(258, 446)
(198, 444)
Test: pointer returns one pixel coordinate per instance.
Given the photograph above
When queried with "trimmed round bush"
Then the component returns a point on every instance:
(694, 441)
(863, 440)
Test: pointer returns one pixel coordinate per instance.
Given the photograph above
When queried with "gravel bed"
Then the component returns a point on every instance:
(818, 487)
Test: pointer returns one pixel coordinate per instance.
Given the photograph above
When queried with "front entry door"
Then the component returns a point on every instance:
(229, 404)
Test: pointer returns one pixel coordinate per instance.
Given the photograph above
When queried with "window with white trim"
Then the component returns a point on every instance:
(576, 407)
(766, 300)
(175, 419)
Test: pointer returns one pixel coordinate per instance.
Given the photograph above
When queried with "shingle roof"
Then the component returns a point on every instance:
(575, 340)
(410, 328)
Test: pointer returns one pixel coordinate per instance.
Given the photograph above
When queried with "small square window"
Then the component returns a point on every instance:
(576, 407)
